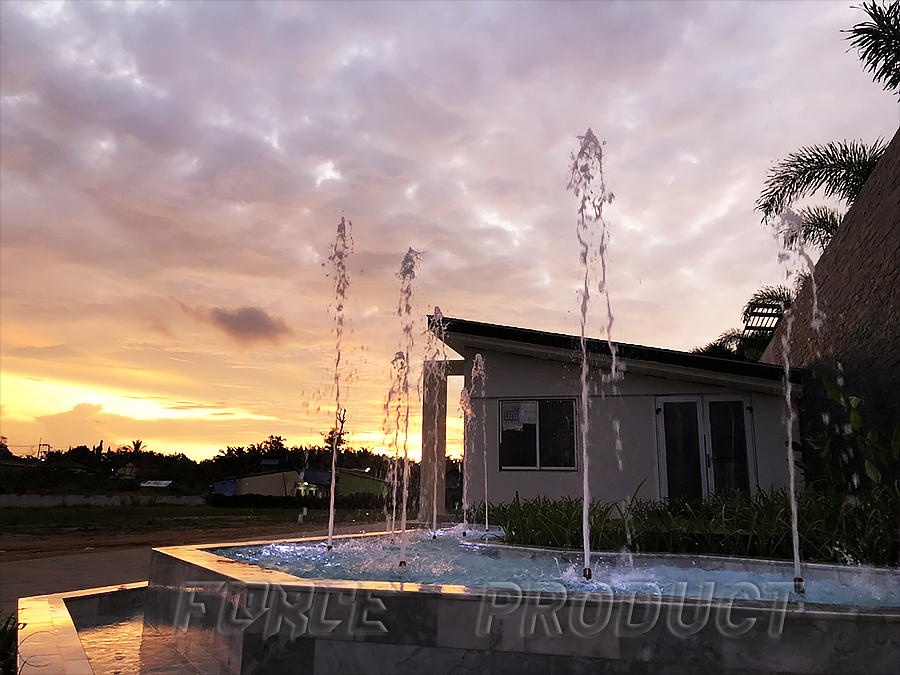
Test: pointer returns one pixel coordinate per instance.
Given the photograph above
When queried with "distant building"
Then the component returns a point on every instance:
(313, 484)
(272, 483)
(357, 481)
(127, 471)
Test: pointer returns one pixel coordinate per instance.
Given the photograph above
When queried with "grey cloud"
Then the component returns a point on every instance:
(249, 324)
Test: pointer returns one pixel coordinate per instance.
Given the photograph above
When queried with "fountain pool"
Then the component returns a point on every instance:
(292, 606)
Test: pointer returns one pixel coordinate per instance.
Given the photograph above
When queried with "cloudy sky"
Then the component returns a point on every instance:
(173, 174)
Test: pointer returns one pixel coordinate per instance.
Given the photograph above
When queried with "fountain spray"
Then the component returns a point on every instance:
(789, 229)
(465, 405)
(340, 250)
(479, 374)
(393, 414)
(587, 183)
(435, 372)
(406, 274)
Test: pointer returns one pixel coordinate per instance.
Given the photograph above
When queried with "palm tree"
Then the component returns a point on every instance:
(760, 315)
(137, 446)
(840, 169)
(878, 43)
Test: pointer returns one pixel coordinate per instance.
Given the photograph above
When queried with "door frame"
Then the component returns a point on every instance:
(707, 477)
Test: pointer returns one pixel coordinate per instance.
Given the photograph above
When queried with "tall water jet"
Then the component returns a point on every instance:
(340, 251)
(587, 182)
(393, 422)
(465, 405)
(480, 375)
(407, 273)
(792, 257)
(434, 377)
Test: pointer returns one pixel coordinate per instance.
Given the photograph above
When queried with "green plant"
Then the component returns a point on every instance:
(834, 527)
(836, 458)
(8, 644)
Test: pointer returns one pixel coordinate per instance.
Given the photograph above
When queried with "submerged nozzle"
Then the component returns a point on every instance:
(402, 563)
(434, 536)
(799, 586)
(329, 547)
(587, 573)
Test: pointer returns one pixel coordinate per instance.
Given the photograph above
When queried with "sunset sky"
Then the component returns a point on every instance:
(173, 174)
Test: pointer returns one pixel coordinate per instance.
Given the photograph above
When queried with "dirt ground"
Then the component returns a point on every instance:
(28, 546)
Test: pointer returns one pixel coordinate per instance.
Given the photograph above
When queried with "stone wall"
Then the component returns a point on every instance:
(857, 280)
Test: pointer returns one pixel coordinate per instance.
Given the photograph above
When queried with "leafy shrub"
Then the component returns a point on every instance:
(833, 527)
(847, 455)
(8, 644)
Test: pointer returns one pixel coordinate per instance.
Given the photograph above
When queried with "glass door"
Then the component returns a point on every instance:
(704, 445)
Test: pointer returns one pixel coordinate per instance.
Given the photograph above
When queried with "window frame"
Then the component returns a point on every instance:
(537, 430)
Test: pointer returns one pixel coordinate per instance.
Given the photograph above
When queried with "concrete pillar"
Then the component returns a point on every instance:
(432, 478)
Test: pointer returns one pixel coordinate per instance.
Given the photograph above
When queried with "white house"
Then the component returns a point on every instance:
(677, 424)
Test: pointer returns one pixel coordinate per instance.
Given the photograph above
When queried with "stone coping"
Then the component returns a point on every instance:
(229, 617)
(49, 642)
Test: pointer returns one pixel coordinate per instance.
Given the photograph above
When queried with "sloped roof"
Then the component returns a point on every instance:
(461, 333)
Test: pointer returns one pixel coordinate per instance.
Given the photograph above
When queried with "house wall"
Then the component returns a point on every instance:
(274, 484)
(351, 483)
(632, 404)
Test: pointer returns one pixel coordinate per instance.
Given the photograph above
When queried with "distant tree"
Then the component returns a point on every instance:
(329, 438)
(878, 43)
(137, 446)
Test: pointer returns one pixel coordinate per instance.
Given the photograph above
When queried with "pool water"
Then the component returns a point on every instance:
(124, 645)
(469, 561)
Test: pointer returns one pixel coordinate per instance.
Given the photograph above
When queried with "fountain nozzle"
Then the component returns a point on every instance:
(587, 573)
(799, 586)
(402, 563)
(330, 547)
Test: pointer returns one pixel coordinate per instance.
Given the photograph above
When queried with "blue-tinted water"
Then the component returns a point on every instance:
(451, 559)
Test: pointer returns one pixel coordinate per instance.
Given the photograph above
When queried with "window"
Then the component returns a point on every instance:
(538, 434)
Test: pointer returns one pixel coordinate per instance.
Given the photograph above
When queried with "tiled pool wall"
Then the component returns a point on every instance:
(48, 639)
(231, 617)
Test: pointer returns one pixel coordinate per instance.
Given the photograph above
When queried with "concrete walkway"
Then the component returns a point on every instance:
(23, 578)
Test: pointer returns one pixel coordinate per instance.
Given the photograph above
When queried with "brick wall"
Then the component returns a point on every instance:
(857, 279)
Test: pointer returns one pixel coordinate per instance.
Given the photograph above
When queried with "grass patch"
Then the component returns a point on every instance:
(135, 519)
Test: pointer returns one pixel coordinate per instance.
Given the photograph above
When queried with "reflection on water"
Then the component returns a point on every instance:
(451, 559)
(123, 645)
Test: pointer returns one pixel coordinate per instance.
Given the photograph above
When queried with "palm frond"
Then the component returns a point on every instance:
(818, 224)
(878, 43)
(840, 169)
(769, 297)
(724, 346)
